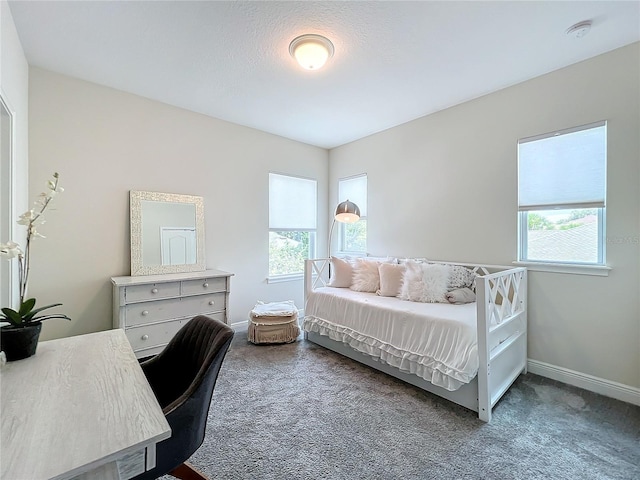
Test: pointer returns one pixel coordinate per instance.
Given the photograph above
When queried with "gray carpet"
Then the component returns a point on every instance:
(302, 412)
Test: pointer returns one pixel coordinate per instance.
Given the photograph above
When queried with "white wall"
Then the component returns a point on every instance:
(14, 85)
(104, 143)
(444, 186)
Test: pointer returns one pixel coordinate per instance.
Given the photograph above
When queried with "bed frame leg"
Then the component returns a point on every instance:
(484, 397)
(484, 413)
(484, 368)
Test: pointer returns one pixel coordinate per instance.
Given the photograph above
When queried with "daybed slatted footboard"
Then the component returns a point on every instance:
(501, 307)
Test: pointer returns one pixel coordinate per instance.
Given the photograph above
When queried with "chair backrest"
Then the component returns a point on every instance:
(183, 377)
(193, 356)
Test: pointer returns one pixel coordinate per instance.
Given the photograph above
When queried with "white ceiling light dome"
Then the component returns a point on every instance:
(311, 51)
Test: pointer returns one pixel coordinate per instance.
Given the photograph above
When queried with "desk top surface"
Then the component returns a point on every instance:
(78, 403)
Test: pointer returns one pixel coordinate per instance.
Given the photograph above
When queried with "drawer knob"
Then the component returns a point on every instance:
(205, 285)
(145, 313)
(211, 302)
(154, 290)
(144, 337)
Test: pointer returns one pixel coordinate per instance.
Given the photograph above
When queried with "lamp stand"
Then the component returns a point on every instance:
(333, 224)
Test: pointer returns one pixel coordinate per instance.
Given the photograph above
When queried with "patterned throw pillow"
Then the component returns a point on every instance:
(460, 277)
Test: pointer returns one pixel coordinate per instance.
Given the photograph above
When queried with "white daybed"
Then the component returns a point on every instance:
(416, 342)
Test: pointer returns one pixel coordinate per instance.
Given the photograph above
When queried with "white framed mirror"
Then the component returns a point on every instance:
(8, 273)
(167, 233)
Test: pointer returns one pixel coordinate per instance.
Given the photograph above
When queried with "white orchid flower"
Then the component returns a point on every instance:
(33, 232)
(41, 200)
(54, 189)
(10, 250)
(32, 219)
(27, 217)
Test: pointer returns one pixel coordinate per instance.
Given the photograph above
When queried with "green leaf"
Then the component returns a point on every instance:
(53, 315)
(27, 306)
(31, 314)
(13, 316)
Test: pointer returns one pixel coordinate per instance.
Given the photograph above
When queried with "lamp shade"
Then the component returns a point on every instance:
(347, 212)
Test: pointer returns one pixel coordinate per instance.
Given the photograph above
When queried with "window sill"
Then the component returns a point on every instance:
(597, 270)
(342, 253)
(285, 278)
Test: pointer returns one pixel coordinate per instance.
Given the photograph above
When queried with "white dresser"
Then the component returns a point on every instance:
(152, 308)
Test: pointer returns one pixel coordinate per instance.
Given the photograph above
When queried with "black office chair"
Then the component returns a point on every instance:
(182, 377)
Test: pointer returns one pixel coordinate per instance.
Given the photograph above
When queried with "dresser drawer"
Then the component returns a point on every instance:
(151, 291)
(204, 285)
(148, 336)
(159, 334)
(149, 312)
(211, 302)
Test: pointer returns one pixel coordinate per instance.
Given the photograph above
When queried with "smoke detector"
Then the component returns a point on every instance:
(579, 30)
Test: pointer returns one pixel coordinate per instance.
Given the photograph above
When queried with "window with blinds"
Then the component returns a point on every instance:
(292, 223)
(562, 179)
(353, 236)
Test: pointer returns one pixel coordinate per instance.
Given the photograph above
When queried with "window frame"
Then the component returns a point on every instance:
(342, 227)
(597, 267)
(274, 278)
(523, 227)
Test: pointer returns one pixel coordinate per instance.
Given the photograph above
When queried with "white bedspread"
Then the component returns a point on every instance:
(436, 341)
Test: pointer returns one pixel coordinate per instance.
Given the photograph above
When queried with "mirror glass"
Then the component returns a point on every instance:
(167, 233)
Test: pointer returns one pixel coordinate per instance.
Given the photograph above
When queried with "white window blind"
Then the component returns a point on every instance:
(292, 203)
(355, 190)
(564, 169)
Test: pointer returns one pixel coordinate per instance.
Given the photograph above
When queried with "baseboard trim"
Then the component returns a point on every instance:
(237, 325)
(245, 323)
(604, 387)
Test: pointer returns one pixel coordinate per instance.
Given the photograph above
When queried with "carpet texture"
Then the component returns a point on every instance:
(299, 411)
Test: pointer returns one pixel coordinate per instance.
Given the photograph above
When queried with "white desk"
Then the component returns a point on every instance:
(80, 404)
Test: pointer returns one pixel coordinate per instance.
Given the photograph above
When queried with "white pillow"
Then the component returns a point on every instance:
(390, 279)
(366, 277)
(461, 295)
(341, 273)
(425, 283)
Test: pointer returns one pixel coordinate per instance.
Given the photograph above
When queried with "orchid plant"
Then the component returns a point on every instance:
(32, 219)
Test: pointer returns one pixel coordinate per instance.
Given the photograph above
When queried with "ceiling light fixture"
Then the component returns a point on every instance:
(579, 30)
(311, 51)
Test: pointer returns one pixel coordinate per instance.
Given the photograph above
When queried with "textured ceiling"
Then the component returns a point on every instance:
(394, 61)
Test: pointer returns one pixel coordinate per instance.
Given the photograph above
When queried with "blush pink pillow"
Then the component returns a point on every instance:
(341, 273)
(390, 279)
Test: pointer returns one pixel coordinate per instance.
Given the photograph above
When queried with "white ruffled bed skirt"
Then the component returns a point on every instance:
(423, 366)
